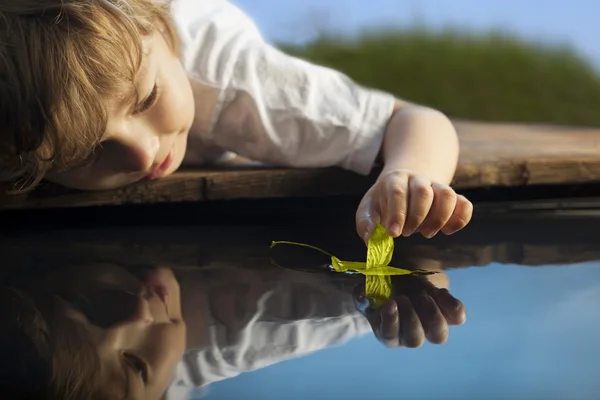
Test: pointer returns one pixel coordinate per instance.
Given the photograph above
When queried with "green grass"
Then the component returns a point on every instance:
(489, 77)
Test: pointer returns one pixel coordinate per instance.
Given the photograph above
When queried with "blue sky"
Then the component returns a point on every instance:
(531, 334)
(574, 21)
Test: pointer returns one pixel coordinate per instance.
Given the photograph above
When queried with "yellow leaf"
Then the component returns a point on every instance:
(387, 271)
(344, 266)
(378, 287)
(377, 271)
(357, 266)
(380, 248)
(338, 265)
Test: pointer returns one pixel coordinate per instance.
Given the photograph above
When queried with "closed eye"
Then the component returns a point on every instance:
(149, 101)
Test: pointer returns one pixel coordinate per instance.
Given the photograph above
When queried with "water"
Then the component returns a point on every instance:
(528, 336)
(530, 287)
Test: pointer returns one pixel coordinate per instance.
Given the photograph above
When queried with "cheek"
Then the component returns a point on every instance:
(84, 179)
(170, 347)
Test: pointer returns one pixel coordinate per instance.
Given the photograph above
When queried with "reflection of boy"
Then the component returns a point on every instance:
(69, 331)
(243, 319)
(89, 333)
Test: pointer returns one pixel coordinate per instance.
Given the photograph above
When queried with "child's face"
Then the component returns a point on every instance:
(150, 141)
(139, 338)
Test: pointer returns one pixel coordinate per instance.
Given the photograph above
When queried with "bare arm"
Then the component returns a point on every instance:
(420, 153)
(421, 140)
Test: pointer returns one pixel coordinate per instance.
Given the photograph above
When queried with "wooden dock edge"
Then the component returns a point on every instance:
(492, 155)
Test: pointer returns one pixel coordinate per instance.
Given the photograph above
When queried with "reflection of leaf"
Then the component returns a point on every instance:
(377, 271)
(378, 289)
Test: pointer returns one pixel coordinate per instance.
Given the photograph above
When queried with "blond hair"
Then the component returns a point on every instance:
(60, 62)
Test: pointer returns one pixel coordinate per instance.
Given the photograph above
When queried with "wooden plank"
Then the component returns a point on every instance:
(204, 185)
(522, 154)
(492, 155)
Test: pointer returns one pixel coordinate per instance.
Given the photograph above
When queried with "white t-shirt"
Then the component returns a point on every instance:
(255, 101)
(242, 319)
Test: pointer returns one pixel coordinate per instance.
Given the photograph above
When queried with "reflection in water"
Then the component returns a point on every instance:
(119, 332)
(90, 332)
(242, 319)
(531, 333)
(377, 271)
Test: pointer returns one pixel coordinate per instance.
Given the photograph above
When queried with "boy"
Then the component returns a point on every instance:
(98, 94)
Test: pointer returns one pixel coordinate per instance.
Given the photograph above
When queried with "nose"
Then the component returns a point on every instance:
(142, 314)
(135, 151)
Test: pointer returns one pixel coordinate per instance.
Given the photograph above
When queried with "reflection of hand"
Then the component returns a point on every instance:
(417, 310)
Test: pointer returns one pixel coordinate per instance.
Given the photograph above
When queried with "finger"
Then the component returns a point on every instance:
(394, 204)
(461, 216)
(444, 202)
(373, 316)
(367, 216)
(390, 325)
(420, 199)
(411, 330)
(363, 305)
(433, 321)
(452, 308)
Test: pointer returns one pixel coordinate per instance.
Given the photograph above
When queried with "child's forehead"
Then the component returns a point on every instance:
(147, 63)
(147, 47)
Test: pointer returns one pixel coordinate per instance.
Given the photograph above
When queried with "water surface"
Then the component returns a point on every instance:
(530, 287)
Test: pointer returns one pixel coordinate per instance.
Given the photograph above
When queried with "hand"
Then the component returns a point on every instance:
(417, 310)
(405, 203)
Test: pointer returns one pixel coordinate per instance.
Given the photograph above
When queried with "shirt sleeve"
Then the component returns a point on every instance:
(272, 107)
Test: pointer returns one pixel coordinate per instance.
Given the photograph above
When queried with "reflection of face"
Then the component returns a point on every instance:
(137, 350)
(146, 140)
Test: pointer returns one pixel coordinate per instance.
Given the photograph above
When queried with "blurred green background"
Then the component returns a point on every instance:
(488, 77)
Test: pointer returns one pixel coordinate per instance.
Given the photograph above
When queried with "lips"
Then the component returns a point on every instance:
(162, 168)
(156, 286)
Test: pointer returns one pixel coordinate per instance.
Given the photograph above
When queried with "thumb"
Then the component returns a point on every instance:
(366, 219)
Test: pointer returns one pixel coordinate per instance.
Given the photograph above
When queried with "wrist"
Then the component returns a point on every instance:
(422, 141)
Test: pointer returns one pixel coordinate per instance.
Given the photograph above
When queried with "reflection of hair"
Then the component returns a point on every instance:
(59, 61)
(43, 353)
